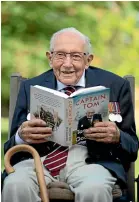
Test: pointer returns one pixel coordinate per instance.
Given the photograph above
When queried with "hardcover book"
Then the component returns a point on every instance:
(68, 116)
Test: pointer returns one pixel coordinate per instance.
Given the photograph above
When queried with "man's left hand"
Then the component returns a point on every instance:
(106, 132)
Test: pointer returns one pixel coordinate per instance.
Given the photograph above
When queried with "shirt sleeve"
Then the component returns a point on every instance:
(18, 140)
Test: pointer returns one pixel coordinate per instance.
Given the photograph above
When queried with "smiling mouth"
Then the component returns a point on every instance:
(67, 72)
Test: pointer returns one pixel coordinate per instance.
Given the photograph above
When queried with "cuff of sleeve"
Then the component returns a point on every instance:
(119, 144)
(18, 140)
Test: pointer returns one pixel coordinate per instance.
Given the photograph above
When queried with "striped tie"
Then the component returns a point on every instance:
(69, 90)
(56, 160)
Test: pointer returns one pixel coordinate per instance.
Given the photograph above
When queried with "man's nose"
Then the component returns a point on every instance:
(67, 60)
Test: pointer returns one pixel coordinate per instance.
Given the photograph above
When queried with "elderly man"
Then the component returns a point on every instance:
(70, 57)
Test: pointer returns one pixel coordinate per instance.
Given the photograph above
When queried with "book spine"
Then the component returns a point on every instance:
(69, 121)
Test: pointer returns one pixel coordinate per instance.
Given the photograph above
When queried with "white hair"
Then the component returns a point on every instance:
(71, 29)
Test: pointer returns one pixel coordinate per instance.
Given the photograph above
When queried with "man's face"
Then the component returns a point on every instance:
(90, 115)
(69, 70)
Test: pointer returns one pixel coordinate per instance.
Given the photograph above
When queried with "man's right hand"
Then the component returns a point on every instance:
(34, 131)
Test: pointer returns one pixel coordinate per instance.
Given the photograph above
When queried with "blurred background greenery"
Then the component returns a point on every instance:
(113, 28)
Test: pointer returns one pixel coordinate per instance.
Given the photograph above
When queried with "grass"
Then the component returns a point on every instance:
(4, 136)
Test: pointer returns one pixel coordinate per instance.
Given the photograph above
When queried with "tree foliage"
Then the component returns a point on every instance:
(113, 28)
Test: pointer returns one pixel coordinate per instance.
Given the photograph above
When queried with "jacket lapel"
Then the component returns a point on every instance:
(91, 79)
(50, 80)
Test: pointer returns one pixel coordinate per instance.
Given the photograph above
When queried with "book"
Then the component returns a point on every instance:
(68, 116)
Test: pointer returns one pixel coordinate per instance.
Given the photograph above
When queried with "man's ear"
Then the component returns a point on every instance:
(89, 60)
(49, 57)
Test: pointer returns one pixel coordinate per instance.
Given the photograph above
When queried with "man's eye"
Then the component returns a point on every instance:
(60, 54)
(76, 56)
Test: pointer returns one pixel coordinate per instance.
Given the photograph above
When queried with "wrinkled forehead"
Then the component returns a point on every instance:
(69, 42)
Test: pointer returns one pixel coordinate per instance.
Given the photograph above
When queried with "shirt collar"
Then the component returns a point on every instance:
(81, 83)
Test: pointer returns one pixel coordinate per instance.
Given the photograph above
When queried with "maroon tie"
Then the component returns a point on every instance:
(56, 160)
(69, 90)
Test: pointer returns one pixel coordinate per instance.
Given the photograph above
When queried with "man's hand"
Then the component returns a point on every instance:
(34, 131)
(106, 132)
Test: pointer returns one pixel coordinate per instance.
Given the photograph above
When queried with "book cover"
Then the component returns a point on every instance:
(67, 115)
(51, 109)
(88, 109)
